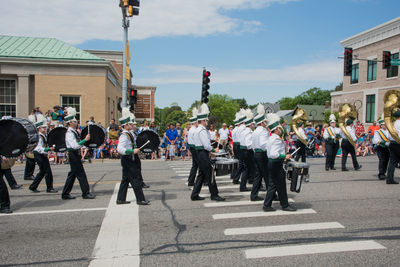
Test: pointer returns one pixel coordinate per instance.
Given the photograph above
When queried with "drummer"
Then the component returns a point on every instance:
(133, 132)
(259, 144)
(203, 148)
(40, 154)
(239, 126)
(74, 144)
(4, 196)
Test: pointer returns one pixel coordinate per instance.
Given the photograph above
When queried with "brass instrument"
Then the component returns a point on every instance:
(392, 104)
(347, 111)
(299, 115)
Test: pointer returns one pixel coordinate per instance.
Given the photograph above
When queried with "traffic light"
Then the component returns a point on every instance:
(133, 9)
(132, 98)
(386, 57)
(348, 61)
(205, 86)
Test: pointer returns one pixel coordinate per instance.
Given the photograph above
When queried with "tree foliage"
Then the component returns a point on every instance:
(313, 96)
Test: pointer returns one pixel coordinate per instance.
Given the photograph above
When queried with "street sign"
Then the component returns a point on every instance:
(395, 62)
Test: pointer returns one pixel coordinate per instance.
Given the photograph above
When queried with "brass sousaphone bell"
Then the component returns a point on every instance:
(347, 111)
(299, 115)
(392, 104)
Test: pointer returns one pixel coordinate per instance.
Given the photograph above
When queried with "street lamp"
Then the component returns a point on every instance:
(359, 106)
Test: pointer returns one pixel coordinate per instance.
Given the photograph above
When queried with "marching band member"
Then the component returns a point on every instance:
(239, 127)
(259, 144)
(133, 132)
(4, 196)
(74, 144)
(331, 135)
(203, 148)
(195, 166)
(382, 142)
(347, 147)
(394, 149)
(130, 165)
(247, 152)
(40, 154)
(276, 152)
(302, 151)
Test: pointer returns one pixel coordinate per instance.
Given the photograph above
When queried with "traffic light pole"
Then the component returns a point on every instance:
(125, 25)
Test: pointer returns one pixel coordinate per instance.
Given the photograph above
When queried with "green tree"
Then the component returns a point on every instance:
(176, 116)
(313, 96)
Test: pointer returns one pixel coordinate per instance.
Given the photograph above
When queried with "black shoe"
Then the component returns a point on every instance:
(122, 202)
(289, 208)
(197, 198)
(235, 182)
(345, 170)
(89, 196)
(333, 169)
(391, 182)
(359, 167)
(52, 190)
(268, 209)
(143, 202)
(326, 169)
(34, 190)
(217, 198)
(145, 185)
(68, 197)
(245, 190)
(29, 178)
(257, 198)
(16, 186)
(382, 177)
(190, 184)
(5, 210)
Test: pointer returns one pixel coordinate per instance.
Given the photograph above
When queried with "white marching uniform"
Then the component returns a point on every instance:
(260, 138)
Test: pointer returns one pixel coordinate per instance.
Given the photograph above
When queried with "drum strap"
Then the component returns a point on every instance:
(44, 140)
(131, 138)
(78, 137)
(383, 136)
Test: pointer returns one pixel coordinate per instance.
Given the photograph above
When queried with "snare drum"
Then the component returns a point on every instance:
(18, 135)
(296, 172)
(224, 166)
(97, 135)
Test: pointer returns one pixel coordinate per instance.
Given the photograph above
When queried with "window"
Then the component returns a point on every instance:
(372, 68)
(370, 116)
(7, 98)
(354, 73)
(393, 71)
(74, 102)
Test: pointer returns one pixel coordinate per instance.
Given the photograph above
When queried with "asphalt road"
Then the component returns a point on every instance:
(354, 220)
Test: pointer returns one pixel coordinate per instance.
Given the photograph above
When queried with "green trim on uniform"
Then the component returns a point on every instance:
(124, 121)
(193, 119)
(82, 142)
(243, 147)
(258, 150)
(282, 156)
(236, 143)
(202, 117)
(274, 125)
(349, 122)
(259, 120)
(69, 118)
(46, 149)
(38, 124)
(248, 122)
(129, 152)
(199, 147)
(397, 114)
(240, 120)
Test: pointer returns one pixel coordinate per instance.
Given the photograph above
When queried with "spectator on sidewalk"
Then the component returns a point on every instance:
(171, 135)
(223, 134)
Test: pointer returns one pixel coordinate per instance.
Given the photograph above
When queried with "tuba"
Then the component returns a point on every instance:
(347, 111)
(299, 115)
(392, 103)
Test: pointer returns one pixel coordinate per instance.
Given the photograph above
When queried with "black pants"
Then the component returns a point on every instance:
(383, 155)
(261, 161)
(4, 196)
(278, 184)
(203, 157)
(44, 171)
(347, 148)
(77, 171)
(301, 152)
(130, 175)
(393, 161)
(193, 170)
(242, 167)
(139, 163)
(29, 167)
(249, 173)
(10, 177)
(331, 149)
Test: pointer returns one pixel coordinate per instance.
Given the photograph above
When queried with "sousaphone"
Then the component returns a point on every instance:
(299, 115)
(392, 104)
(347, 111)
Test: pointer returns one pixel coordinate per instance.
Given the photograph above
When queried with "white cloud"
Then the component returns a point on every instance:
(76, 21)
(323, 71)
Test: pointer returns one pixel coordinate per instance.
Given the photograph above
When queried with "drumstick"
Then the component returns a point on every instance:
(295, 151)
(148, 141)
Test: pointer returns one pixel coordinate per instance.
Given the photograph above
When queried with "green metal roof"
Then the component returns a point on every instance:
(42, 48)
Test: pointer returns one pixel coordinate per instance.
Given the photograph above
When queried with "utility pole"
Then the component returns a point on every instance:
(125, 25)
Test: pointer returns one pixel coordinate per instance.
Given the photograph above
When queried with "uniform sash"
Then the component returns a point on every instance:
(383, 136)
(330, 132)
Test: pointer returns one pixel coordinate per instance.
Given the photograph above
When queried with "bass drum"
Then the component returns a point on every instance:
(56, 139)
(97, 135)
(18, 135)
(148, 135)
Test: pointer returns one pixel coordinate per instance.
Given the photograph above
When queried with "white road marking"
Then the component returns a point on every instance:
(229, 186)
(51, 211)
(282, 228)
(261, 214)
(235, 203)
(229, 194)
(118, 242)
(312, 249)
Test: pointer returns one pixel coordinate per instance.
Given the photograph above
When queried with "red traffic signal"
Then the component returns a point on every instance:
(205, 86)
(348, 61)
(386, 57)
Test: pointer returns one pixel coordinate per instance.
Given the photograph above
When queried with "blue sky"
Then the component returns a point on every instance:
(260, 50)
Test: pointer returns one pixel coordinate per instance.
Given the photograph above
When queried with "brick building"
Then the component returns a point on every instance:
(368, 83)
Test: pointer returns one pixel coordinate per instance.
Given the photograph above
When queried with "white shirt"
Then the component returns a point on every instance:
(245, 138)
(335, 131)
(40, 146)
(302, 133)
(260, 138)
(202, 138)
(70, 139)
(190, 135)
(223, 134)
(352, 132)
(124, 142)
(234, 133)
(378, 139)
(275, 147)
(397, 126)
(213, 134)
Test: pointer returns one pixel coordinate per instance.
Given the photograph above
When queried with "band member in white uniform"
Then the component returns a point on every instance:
(347, 147)
(331, 136)
(191, 146)
(239, 122)
(382, 142)
(302, 151)
(247, 152)
(394, 149)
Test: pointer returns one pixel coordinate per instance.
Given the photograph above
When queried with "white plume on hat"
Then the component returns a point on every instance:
(249, 114)
(32, 118)
(273, 121)
(125, 112)
(71, 111)
(204, 109)
(237, 115)
(194, 112)
(332, 118)
(41, 121)
(260, 109)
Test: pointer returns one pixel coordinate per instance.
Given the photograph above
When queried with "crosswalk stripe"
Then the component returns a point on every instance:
(229, 194)
(312, 249)
(261, 214)
(228, 186)
(282, 228)
(235, 203)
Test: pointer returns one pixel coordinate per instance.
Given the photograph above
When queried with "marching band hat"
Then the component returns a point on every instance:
(300, 123)
(381, 120)
(273, 121)
(193, 119)
(242, 116)
(203, 112)
(71, 114)
(397, 113)
(332, 118)
(126, 116)
(249, 117)
(41, 121)
(260, 114)
(349, 122)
